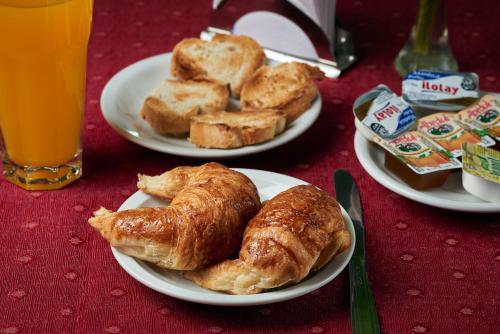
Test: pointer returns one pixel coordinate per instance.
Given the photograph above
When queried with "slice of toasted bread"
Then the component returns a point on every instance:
(169, 109)
(287, 87)
(224, 129)
(227, 59)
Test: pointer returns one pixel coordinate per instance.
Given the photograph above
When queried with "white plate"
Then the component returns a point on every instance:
(451, 195)
(124, 94)
(171, 283)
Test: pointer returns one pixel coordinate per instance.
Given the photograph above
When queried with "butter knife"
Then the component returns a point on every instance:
(364, 319)
(330, 68)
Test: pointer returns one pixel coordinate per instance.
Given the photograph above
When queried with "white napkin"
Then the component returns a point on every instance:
(276, 32)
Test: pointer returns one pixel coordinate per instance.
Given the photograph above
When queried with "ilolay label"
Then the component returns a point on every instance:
(449, 134)
(387, 115)
(420, 87)
(483, 115)
(419, 153)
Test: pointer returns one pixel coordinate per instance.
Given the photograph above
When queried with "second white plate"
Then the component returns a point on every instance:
(124, 94)
(451, 195)
(171, 283)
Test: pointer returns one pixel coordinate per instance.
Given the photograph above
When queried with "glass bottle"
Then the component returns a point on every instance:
(427, 47)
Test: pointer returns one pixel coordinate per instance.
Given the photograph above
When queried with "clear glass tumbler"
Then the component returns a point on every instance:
(43, 53)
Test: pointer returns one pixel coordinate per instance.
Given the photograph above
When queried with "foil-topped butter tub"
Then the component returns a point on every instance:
(426, 90)
(383, 112)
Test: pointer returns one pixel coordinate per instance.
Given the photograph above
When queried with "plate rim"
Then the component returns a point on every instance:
(106, 106)
(135, 268)
(362, 147)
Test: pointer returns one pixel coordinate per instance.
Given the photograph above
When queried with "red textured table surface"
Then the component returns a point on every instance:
(432, 270)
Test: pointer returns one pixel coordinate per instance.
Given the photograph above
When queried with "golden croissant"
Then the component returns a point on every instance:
(297, 231)
(204, 223)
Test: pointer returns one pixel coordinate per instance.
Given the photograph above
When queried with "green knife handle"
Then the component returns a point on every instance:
(364, 319)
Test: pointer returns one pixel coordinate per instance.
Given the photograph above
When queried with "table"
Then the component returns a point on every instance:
(432, 270)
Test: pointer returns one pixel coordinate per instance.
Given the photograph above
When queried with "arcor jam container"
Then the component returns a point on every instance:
(483, 115)
(383, 112)
(481, 172)
(449, 134)
(446, 91)
(418, 161)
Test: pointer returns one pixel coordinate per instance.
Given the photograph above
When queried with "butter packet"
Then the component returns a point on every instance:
(481, 161)
(446, 91)
(481, 172)
(484, 115)
(420, 154)
(443, 129)
(383, 112)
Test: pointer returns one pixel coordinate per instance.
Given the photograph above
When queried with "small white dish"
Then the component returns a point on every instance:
(171, 283)
(451, 195)
(125, 92)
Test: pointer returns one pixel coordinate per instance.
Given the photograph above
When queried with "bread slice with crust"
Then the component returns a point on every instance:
(226, 59)
(224, 129)
(169, 109)
(288, 87)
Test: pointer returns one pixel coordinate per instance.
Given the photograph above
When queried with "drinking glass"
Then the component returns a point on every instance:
(43, 52)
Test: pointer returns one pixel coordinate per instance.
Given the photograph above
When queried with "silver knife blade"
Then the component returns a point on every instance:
(327, 66)
(348, 195)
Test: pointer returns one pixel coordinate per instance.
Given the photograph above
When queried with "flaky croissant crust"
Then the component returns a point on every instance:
(203, 224)
(297, 231)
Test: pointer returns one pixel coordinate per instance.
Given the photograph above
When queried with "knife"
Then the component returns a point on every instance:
(364, 319)
(330, 68)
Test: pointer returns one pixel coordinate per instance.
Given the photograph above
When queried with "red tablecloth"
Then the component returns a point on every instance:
(432, 270)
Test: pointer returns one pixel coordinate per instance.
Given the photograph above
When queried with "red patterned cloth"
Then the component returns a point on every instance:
(432, 270)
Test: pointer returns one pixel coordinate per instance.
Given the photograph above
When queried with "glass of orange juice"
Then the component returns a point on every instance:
(43, 52)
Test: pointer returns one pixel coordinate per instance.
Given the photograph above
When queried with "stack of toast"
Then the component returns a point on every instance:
(209, 73)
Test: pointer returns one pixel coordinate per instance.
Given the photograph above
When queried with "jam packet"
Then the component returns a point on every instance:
(443, 129)
(418, 161)
(447, 91)
(419, 153)
(484, 115)
(383, 112)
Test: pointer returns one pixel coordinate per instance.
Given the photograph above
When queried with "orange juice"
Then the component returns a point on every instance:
(43, 47)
